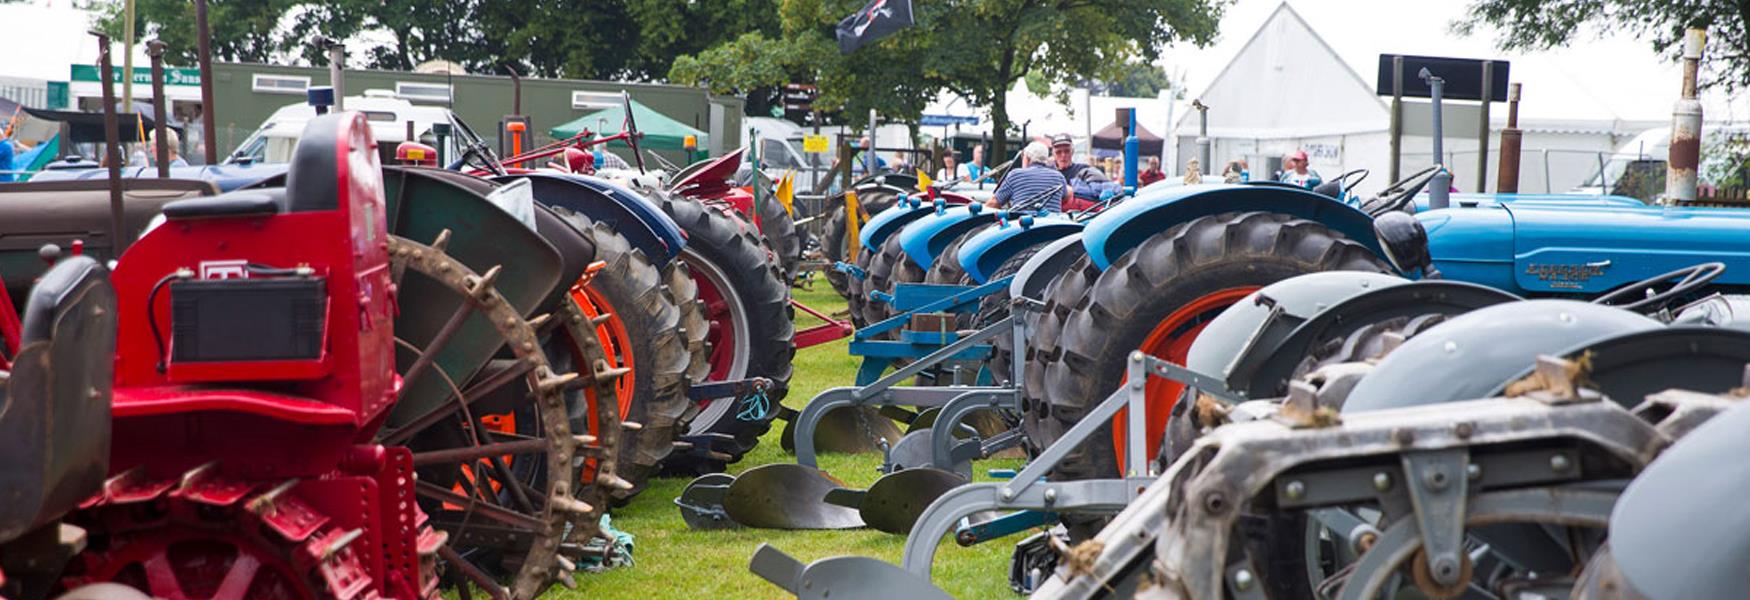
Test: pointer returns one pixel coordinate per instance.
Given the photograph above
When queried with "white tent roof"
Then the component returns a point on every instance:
(1595, 82)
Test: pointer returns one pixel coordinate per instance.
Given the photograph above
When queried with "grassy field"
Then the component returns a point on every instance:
(675, 562)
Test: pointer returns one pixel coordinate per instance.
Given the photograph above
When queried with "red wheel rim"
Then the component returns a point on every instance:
(616, 343)
(189, 565)
(1171, 340)
(721, 315)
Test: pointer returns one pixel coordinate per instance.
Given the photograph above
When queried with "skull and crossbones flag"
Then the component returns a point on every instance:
(877, 19)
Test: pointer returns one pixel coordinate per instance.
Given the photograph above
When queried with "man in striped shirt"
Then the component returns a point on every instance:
(1035, 187)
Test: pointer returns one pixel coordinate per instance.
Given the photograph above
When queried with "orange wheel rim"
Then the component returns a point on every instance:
(1171, 340)
(616, 342)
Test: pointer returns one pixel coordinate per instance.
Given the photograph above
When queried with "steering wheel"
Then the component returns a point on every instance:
(1689, 279)
(1360, 175)
(1401, 192)
(632, 134)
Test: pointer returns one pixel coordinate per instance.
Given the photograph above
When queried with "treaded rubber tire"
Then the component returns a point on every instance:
(887, 270)
(1086, 360)
(633, 286)
(735, 247)
(995, 307)
(779, 229)
(832, 240)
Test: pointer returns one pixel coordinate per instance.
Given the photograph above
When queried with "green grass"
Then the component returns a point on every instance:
(676, 562)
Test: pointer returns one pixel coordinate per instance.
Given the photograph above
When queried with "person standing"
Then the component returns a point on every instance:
(5, 157)
(1295, 172)
(173, 144)
(976, 169)
(1035, 187)
(1152, 173)
(1063, 155)
(951, 169)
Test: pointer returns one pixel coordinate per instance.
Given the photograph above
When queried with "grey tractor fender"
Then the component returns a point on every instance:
(1678, 529)
(1123, 227)
(1258, 323)
(1044, 266)
(1471, 355)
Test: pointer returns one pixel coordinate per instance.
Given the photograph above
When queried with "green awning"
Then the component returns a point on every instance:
(660, 132)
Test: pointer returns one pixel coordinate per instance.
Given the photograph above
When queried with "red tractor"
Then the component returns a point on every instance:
(268, 435)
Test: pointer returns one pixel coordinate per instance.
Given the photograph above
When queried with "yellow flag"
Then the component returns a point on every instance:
(923, 181)
(787, 192)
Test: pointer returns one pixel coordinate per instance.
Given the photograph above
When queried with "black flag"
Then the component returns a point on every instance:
(877, 19)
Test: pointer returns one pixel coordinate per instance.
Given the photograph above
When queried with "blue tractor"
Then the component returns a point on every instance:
(1151, 272)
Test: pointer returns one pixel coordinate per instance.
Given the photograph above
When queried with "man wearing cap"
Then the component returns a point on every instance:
(1294, 171)
(1035, 187)
(1063, 155)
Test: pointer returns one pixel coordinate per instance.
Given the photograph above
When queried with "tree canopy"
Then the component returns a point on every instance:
(634, 40)
(1541, 24)
(977, 49)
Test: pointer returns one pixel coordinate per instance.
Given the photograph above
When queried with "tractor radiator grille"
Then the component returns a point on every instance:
(231, 320)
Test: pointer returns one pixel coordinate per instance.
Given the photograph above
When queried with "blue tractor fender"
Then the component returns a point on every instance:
(987, 250)
(1122, 227)
(890, 221)
(1045, 265)
(227, 177)
(1486, 200)
(641, 221)
(927, 237)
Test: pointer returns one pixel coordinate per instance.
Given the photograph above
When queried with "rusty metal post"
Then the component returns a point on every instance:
(1512, 142)
(1680, 174)
(516, 90)
(337, 72)
(203, 37)
(1483, 127)
(155, 50)
(111, 147)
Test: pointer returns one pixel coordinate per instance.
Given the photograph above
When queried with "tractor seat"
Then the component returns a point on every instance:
(50, 295)
(264, 202)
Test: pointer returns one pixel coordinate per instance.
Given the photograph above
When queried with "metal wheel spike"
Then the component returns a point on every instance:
(266, 503)
(195, 475)
(615, 481)
(681, 446)
(565, 564)
(583, 440)
(567, 578)
(557, 381)
(612, 374)
(572, 505)
(341, 543)
(601, 318)
(541, 321)
(486, 282)
(631, 425)
(442, 241)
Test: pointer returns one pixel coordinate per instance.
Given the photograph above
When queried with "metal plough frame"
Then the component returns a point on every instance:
(1187, 518)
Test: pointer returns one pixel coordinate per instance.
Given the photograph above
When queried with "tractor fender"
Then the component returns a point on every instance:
(888, 222)
(1045, 265)
(926, 237)
(1678, 529)
(1471, 355)
(1258, 323)
(1258, 372)
(1156, 209)
(643, 223)
(987, 250)
(1629, 367)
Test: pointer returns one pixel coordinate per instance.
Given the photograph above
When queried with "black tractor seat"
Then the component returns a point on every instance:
(243, 203)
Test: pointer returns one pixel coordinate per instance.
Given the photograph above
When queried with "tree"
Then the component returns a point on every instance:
(242, 30)
(1542, 24)
(976, 49)
(1134, 79)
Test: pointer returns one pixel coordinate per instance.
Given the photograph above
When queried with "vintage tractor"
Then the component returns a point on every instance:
(279, 430)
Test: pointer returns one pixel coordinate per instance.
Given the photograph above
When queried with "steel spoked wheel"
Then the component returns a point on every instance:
(490, 431)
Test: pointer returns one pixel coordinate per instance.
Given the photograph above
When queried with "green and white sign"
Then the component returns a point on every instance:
(142, 75)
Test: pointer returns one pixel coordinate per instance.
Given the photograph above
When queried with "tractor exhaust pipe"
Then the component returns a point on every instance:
(1440, 187)
(1507, 172)
(112, 153)
(1685, 158)
(161, 149)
